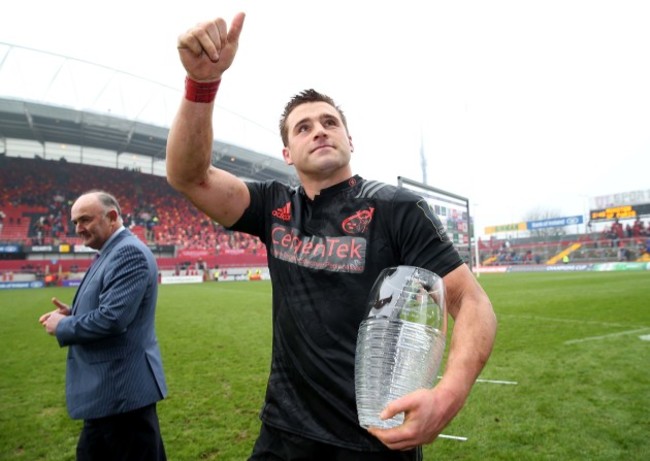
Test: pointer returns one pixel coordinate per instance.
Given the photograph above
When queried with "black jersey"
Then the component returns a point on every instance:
(324, 256)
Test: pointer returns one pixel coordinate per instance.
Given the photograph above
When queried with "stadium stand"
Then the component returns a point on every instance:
(596, 247)
(36, 195)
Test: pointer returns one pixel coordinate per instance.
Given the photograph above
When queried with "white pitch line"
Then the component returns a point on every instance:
(496, 381)
(453, 437)
(492, 381)
(595, 338)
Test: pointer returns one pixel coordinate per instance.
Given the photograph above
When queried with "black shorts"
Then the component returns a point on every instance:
(278, 445)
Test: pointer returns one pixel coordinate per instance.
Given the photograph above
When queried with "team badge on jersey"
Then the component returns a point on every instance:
(358, 222)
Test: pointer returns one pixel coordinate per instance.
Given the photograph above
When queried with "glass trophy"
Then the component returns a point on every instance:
(401, 342)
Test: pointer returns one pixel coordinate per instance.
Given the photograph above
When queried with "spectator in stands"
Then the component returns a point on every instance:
(39, 231)
(2, 219)
(114, 372)
(528, 257)
(151, 223)
(638, 228)
(319, 298)
(628, 230)
(616, 232)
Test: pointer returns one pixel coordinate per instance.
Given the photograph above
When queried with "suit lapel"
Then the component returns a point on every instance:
(99, 260)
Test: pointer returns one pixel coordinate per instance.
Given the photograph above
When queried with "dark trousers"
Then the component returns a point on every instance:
(132, 436)
(277, 445)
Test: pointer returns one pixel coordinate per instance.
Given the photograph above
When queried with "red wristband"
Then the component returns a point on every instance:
(200, 91)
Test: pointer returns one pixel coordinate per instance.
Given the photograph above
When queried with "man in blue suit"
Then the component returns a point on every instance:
(114, 375)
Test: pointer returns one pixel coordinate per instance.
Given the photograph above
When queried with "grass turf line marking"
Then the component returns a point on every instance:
(453, 437)
(497, 381)
(595, 338)
(492, 381)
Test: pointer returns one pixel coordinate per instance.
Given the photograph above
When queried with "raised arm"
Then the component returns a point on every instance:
(206, 52)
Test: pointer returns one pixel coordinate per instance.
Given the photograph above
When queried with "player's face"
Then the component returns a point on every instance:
(318, 143)
(92, 223)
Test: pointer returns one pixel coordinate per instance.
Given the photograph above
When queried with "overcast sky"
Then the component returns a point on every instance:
(520, 106)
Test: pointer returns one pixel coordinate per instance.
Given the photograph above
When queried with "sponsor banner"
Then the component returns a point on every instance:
(10, 249)
(161, 248)
(490, 269)
(609, 214)
(622, 266)
(67, 248)
(175, 279)
(554, 222)
(83, 249)
(514, 227)
(12, 285)
(527, 268)
(41, 249)
(635, 197)
(570, 268)
(615, 266)
(620, 212)
(71, 283)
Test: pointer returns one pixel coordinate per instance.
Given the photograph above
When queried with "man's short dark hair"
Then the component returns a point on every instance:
(303, 97)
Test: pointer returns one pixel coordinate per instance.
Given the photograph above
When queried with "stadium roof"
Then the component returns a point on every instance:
(59, 107)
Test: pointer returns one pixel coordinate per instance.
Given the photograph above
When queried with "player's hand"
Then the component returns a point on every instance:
(209, 48)
(427, 412)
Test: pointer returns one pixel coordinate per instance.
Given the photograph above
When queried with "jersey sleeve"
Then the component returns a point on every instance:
(421, 237)
(254, 219)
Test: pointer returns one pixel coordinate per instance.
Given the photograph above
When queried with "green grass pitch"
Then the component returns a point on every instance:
(569, 378)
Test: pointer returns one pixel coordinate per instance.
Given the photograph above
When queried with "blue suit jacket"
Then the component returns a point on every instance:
(114, 363)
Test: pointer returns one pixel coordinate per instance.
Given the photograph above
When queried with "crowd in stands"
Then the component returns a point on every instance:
(625, 238)
(617, 242)
(36, 195)
(508, 254)
(617, 232)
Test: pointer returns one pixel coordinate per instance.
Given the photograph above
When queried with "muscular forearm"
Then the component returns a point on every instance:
(471, 345)
(218, 193)
(189, 145)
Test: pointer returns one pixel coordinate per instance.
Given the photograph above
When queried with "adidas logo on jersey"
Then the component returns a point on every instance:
(283, 213)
